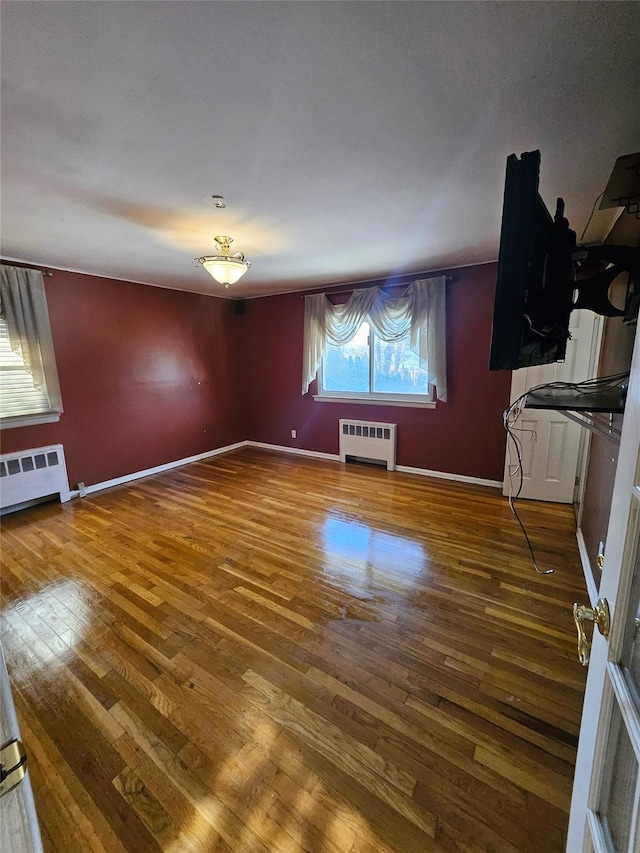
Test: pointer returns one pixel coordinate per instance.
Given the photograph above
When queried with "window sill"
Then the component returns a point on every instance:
(30, 420)
(375, 401)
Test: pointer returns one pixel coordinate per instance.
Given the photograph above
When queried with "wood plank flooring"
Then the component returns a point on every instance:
(270, 653)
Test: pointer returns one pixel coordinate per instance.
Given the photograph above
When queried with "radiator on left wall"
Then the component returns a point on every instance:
(30, 476)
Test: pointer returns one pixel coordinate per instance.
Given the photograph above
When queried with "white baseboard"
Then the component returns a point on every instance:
(405, 469)
(295, 451)
(280, 448)
(137, 475)
(586, 568)
(441, 475)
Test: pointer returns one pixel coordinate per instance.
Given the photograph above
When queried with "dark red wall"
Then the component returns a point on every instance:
(148, 376)
(463, 436)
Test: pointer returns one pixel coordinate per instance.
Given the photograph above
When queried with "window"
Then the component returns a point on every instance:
(369, 368)
(18, 396)
(29, 390)
(378, 347)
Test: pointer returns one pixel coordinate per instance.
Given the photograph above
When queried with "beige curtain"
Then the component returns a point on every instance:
(23, 306)
(420, 311)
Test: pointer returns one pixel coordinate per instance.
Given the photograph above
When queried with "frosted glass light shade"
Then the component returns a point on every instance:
(225, 270)
(225, 267)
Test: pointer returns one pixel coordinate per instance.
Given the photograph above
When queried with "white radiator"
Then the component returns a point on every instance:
(368, 440)
(32, 474)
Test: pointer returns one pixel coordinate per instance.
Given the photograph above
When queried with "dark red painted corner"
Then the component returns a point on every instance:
(150, 376)
(463, 436)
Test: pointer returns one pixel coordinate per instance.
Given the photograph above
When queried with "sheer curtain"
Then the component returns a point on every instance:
(23, 306)
(419, 311)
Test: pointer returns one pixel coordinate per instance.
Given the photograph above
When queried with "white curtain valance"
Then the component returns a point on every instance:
(23, 306)
(419, 311)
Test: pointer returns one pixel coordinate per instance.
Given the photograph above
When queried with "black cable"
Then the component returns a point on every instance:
(513, 498)
(514, 411)
(591, 216)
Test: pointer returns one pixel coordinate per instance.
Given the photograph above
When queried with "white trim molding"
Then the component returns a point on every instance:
(405, 469)
(376, 401)
(30, 420)
(281, 448)
(586, 568)
(158, 469)
(278, 448)
(443, 475)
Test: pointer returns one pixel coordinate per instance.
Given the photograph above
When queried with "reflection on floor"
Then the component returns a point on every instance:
(263, 653)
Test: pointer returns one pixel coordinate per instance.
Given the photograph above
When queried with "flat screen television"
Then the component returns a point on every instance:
(535, 274)
(537, 288)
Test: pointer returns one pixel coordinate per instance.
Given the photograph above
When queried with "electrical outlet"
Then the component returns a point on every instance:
(82, 489)
(294, 433)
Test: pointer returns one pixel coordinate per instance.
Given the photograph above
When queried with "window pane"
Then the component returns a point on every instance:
(346, 368)
(18, 395)
(396, 369)
(630, 658)
(618, 799)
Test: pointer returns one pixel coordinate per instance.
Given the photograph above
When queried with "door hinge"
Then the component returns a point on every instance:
(13, 766)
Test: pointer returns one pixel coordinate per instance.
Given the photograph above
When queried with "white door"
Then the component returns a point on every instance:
(19, 831)
(605, 808)
(550, 441)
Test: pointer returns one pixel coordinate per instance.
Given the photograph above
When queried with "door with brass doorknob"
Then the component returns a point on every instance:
(600, 616)
(605, 806)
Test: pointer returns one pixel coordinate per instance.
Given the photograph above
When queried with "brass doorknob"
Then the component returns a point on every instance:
(600, 616)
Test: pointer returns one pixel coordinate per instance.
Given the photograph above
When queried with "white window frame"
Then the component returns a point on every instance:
(375, 398)
(30, 420)
(52, 414)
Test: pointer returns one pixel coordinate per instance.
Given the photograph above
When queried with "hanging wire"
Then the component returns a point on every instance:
(511, 416)
(593, 210)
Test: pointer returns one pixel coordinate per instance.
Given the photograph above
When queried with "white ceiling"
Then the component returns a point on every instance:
(349, 139)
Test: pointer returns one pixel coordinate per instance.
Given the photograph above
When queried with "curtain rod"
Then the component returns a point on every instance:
(44, 272)
(448, 280)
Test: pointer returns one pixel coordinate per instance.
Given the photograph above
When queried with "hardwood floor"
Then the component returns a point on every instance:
(272, 653)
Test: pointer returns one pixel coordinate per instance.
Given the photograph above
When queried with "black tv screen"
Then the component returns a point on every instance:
(535, 274)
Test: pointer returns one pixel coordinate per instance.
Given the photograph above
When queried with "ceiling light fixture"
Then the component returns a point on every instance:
(225, 267)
